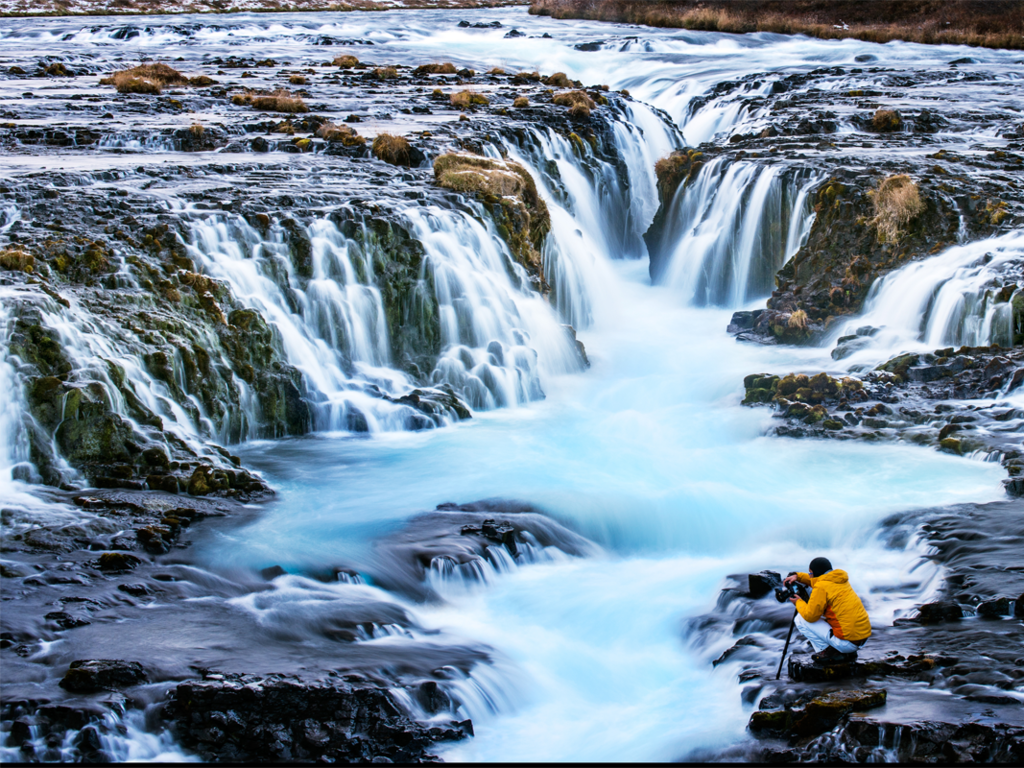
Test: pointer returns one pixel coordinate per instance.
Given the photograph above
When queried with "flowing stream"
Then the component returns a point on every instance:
(647, 453)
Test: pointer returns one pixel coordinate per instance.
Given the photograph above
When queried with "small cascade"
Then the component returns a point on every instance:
(963, 296)
(731, 229)
(599, 210)
(447, 577)
(14, 444)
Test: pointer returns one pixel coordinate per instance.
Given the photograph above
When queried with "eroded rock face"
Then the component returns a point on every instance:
(246, 719)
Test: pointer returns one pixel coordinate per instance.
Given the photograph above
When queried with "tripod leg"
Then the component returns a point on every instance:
(786, 649)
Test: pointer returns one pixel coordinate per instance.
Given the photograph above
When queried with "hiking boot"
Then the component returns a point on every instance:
(830, 654)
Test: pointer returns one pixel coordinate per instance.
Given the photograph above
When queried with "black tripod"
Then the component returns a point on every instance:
(792, 624)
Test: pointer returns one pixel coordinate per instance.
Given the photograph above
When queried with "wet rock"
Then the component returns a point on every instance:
(936, 613)
(66, 620)
(994, 609)
(271, 573)
(117, 562)
(86, 676)
(760, 584)
(243, 720)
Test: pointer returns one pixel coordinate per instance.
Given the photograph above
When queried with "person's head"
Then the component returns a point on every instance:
(820, 566)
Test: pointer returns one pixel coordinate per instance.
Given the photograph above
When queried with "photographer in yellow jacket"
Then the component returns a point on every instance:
(833, 619)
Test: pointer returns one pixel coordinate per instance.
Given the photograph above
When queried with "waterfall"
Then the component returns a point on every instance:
(599, 212)
(497, 336)
(949, 300)
(14, 445)
(731, 229)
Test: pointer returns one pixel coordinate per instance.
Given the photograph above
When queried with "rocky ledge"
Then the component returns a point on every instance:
(943, 684)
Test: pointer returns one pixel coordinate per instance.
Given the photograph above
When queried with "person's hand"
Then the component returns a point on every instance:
(789, 580)
(793, 600)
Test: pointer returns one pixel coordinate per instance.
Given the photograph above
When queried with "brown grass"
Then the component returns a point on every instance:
(559, 80)
(201, 81)
(985, 23)
(447, 68)
(346, 61)
(897, 202)
(277, 101)
(17, 260)
(343, 133)
(468, 99)
(520, 102)
(496, 71)
(385, 73)
(391, 149)
(677, 168)
(297, 80)
(578, 102)
(886, 121)
(146, 78)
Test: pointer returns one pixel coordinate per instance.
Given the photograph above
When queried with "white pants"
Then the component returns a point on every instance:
(818, 633)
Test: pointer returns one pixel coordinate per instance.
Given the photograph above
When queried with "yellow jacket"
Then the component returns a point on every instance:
(834, 598)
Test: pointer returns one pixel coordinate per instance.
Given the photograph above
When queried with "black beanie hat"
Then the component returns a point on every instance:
(820, 566)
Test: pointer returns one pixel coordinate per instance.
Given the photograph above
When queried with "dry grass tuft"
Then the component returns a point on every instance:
(897, 202)
(468, 99)
(201, 81)
(447, 68)
(16, 260)
(391, 149)
(677, 168)
(559, 80)
(341, 133)
(277, 101)
(886, 121)
(578, 102)
(346, 61)
(145, 78)
(196, 129)
(520, 102)
(385, 73)
(297, 80)
(496, 71)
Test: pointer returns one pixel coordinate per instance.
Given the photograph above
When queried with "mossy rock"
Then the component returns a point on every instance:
(899, 365)
(951, 445)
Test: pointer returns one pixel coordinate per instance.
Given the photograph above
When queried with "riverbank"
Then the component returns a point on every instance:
(998, 24)
(16, 8)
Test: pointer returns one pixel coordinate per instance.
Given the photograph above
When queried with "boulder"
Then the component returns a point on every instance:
(87, 676)
(760, 584)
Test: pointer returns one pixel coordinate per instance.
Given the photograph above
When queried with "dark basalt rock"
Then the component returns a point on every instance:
(102, 674)
(286, 719)
(820, 714)
(760, 584)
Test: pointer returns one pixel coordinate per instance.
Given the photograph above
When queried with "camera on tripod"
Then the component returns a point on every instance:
(796, 589)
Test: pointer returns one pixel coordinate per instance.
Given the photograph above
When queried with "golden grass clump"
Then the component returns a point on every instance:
(520, 102)
(886, 121)
(578, 102)
(16, 260)
(447, 68)
(467, 99)
(196, 129)
(897, 202)
(277, 101)
(558, 80)
(347, 61)
(145, 78)
(496, 71)
(797, 321)
(391, 149)
(385, 73)
(297, 80)
(341, 133)
(677, 168)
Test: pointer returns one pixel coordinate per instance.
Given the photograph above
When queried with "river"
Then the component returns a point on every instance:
(647, 453)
